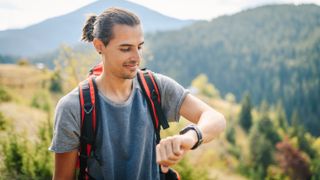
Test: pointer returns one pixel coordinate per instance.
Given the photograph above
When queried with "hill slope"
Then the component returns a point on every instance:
(272, 52)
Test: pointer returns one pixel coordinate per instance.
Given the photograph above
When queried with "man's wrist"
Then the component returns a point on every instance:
(195, 132)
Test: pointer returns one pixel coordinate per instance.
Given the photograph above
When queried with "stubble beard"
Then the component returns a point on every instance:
(132, 74)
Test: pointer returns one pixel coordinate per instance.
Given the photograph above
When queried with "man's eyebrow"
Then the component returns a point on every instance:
(131, 44)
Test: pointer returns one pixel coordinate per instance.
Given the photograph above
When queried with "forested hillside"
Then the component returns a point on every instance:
(272, 52)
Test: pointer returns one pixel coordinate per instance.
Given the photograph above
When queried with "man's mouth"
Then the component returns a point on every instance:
(131, 67)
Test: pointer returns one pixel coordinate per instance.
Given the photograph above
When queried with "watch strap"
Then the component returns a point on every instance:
(198, 132)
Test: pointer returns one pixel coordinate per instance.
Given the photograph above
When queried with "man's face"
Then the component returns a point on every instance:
(123, 53)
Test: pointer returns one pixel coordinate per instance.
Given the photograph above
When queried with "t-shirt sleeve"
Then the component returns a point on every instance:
(172, 96)
(66, 134)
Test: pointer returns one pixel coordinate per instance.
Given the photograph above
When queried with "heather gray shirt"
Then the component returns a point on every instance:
(125, 138)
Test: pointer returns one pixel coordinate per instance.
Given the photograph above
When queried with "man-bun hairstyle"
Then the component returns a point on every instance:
(87, 31)
(101, 26)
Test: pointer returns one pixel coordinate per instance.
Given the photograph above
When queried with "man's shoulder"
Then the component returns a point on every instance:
(70, 100)
(164, 80)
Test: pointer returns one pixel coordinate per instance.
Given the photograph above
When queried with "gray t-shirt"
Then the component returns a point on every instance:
(125, 143)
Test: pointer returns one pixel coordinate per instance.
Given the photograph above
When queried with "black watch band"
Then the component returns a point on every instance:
(198, 132)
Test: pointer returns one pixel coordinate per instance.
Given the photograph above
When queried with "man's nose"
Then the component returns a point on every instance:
(137, 55)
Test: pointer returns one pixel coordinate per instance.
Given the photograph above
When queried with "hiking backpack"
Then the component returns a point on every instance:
(90, 115)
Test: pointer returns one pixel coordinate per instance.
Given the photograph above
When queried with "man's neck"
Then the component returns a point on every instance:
(114, 88)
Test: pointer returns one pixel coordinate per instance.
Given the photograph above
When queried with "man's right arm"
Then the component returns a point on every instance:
(66, 136)
(65, 164)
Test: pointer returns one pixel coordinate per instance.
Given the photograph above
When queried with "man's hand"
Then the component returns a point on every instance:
(171, 149)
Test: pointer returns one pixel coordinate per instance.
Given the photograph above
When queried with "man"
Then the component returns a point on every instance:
(126, 147)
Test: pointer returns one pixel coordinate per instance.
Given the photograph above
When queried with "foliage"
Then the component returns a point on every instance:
(41, 100)
(56, 82)
(303, 143)
(4, 95)
(281, 118)
(189, 172)
(23, 62)
(73, 66)
(245, 118)
(230, 134)
(3, 122)
(315, 168)
(266, 127)
(25, 160)
(204, 87)
(261, 150)
(15, 160)
(292, 161)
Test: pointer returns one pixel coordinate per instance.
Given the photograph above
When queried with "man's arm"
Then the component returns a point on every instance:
(65, 164)
(210, 122)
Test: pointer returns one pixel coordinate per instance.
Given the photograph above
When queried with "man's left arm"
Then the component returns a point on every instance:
(209, 122)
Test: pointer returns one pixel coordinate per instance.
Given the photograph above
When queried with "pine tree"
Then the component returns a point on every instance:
(261, 151)
(245, 118)
(281, 118)
(266, 127)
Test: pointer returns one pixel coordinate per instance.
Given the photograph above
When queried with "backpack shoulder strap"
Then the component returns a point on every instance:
(150, 88)
(88, 101)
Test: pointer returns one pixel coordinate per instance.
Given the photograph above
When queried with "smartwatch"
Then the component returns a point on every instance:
(198, 132)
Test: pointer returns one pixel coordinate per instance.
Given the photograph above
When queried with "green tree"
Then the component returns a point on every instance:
(23, 62)
(281, 118)
(4, 95)
(245, 118)
(204, 87)
(231, 99)
(266, 127)
(73, 66)
(230, 134)
(315, 168)
(56, 82)
(3, 122)
(260, 153)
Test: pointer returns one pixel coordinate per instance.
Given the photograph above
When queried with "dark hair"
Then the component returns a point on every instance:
(101, 26)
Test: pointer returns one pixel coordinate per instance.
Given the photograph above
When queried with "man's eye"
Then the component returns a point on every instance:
(125, 49)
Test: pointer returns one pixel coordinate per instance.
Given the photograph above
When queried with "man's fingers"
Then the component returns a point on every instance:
(169, 151)
(168, 147)
(176, 146)
(158, 155)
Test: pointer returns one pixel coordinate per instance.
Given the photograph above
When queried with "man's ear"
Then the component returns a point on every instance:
(98, 44)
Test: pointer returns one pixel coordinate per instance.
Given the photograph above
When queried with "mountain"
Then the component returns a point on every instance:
(49, 34)
(272, 52)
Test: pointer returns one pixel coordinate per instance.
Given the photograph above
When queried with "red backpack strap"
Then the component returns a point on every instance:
(88, 101)
(151, 91)
(96, 70)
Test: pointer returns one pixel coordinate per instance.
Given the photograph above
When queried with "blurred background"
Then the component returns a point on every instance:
(257, 62)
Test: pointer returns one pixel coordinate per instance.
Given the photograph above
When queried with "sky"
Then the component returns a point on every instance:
(19, 14)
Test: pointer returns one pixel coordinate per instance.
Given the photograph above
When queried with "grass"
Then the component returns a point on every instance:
(24, 120)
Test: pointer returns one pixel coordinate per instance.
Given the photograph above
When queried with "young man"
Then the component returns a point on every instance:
(126, 146)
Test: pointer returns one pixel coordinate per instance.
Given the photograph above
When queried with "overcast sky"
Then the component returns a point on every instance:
(22, 13)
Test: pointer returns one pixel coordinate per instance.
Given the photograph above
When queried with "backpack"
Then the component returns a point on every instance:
(90, 115)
